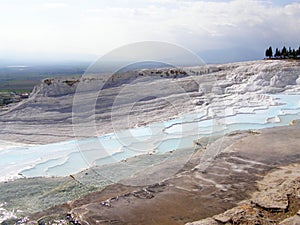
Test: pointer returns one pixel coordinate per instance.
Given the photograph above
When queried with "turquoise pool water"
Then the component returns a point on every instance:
(69, 157)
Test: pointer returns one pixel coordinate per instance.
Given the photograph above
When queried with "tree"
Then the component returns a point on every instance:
(284, 52)
(269, 52)
(294, 54)
(290, 53)
(277, 53)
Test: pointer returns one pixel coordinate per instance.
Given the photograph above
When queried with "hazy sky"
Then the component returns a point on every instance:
(81, 28)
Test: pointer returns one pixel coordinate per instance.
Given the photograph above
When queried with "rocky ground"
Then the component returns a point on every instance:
(254, 180)
(277, 201)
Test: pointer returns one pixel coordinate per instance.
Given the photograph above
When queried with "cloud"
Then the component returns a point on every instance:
(178, 21)
(95, 27)
(55, 5)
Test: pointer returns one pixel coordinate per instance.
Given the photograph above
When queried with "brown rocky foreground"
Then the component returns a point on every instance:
(255, 179)
(277, 201)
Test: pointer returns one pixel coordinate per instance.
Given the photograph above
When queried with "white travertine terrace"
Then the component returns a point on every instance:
(219, 93)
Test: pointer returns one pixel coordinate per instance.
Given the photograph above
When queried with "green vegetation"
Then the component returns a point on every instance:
(8, 98)
(22, 79)
(17, 82)
(284, 53)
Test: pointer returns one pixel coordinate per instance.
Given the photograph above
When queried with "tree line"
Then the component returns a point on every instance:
(283, 53)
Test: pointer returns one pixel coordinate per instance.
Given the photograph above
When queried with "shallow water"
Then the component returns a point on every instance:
(69, 157)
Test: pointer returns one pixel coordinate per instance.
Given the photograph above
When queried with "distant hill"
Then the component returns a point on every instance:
(219, 56)
(16, 76)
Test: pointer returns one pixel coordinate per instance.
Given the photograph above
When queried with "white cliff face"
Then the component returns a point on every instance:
(140, 97)
(57, 87)
(257, 76)
(262, 77)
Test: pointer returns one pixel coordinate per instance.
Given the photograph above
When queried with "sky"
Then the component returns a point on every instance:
(85, 29)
